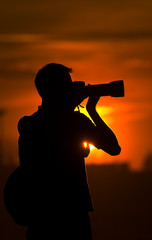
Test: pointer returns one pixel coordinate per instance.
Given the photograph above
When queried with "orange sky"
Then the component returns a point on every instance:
(101, 42)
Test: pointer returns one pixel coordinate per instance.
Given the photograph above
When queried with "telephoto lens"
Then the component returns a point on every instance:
(113, 89)
(80, 91)
(117, 88)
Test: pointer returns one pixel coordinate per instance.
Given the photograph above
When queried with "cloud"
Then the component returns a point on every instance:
(22, 38)
(78, 20)
(92, 61)
(100, 40)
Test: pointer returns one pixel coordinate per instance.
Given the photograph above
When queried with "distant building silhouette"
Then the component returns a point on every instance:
(147, 166)
(117, 166)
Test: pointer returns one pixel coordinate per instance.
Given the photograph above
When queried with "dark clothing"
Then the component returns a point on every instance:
(51, 152)
(70, 226)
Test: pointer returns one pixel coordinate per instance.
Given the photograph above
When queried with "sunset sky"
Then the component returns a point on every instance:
(102, 41)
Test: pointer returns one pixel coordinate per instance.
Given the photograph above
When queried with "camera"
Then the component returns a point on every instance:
(113, 89)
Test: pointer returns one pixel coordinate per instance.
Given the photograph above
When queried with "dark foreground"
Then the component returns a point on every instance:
(122, 202)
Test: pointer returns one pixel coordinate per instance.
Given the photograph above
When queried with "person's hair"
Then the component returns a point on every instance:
(51, 77)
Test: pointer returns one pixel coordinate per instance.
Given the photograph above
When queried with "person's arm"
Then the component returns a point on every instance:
(106, 139)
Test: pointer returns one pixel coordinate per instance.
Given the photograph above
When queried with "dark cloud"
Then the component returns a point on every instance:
(78, 19)
(109, 35)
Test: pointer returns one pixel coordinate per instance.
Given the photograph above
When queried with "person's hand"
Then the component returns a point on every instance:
(92, 102)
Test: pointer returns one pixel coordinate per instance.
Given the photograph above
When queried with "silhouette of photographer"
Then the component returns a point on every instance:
(54, 194)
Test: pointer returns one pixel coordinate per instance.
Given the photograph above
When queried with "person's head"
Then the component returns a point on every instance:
(53, 80)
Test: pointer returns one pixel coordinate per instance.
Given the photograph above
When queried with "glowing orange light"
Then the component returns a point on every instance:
(91, 146)
(85, 144)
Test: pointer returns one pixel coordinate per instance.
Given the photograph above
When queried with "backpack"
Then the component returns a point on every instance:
(16, 199)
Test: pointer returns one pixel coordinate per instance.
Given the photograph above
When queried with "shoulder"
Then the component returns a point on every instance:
(28, 123)
(24, 123)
